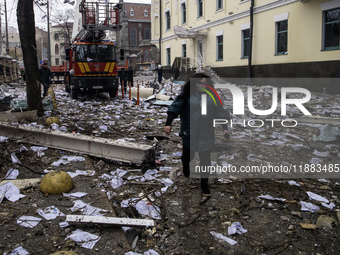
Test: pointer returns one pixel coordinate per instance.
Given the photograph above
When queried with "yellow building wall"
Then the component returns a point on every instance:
(305, 27)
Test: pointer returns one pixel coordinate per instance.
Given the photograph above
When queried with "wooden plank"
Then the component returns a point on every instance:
(110, 220)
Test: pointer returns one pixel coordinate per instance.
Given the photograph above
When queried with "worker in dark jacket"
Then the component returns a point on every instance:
(197, 130)
(45, 74)
(160, 73)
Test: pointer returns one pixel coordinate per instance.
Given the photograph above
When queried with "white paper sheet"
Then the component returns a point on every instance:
(17, 251)
(84, 239)
(236, 228)
(28, 221)
(309, 207)
(87, 209)
(50, 213)
(10, 191)
(224, 238)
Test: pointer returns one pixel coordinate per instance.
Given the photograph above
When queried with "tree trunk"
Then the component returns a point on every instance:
(26, 24)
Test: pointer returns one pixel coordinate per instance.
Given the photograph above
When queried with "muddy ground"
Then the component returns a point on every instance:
(185, 222)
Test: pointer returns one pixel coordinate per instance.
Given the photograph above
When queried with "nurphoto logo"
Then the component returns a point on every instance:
(239, 104)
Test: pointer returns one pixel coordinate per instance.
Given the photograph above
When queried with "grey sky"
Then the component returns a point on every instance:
(41, 12)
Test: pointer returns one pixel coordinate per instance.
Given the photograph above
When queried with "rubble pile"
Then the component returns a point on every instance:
(260, 213)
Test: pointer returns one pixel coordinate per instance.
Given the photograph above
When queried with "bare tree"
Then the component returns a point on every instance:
(64, 19)
(25, 16)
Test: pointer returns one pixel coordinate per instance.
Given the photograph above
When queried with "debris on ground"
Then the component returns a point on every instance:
(259, 214)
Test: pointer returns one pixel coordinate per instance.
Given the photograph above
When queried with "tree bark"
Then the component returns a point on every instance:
(26, 24)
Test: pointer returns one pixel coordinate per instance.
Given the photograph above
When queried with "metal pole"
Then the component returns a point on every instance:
(7, 47)
(160, 32)
(0, 33)
(48, 35)
(250, 72)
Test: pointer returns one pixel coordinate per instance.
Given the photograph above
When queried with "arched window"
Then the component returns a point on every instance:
(56, 49)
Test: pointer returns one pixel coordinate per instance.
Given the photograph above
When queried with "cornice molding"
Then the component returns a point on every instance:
(236, 16)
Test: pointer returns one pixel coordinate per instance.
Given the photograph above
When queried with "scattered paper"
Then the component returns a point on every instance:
(317, 197)
(309, 207)
(236, 228)
(39, 150)
(28, 221)
(293, 183)
(224, 238)
(17, 251)
(82, 172)
(143, 207)
(12, 174)
(75, 194)
(15, 160)
(84, 239)
(87, 209)
(64, 224)
(67, 159)
(269, 197)
(329, 206)
(3, 139)
(50, 213)
(10, 191)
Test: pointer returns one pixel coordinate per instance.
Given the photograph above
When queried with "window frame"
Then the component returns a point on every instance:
(56, 49)
(219, 5)
(244, 43)
(168, 20)
(218, 49)
(168, 56)
(199, 9)
(277, 37)
(184, 13)
(184, 50)
(325, 23)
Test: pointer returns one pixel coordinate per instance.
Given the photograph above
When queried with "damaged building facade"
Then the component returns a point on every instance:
(290, 38)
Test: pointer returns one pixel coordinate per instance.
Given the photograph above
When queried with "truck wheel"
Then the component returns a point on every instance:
(113, 93)
(74, 93)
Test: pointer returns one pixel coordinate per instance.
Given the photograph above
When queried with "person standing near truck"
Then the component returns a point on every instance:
(45, 74)
(160, 74)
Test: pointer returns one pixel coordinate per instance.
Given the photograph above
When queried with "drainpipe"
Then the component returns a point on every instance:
(160, 32)
(250, 73)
